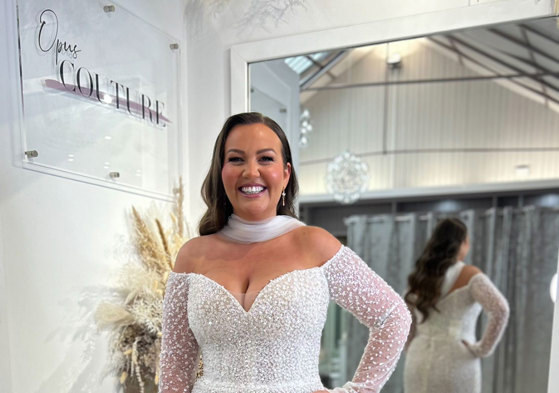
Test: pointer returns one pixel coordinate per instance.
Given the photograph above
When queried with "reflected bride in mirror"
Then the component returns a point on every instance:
(446, 297)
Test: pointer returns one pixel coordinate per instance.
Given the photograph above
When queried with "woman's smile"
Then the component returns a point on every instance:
(252, 191)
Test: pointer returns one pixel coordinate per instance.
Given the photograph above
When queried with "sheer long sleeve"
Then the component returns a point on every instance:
(179, 349)
(496, 306)
(355, 287)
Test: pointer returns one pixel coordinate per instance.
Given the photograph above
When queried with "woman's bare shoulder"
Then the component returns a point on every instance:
(469, 271)
(191, 253)
(319, 242)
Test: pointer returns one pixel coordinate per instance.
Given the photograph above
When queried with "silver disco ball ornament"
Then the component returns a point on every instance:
(347, 176)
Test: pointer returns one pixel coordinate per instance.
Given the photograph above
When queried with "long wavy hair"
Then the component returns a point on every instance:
(441, 251)
(213, 190)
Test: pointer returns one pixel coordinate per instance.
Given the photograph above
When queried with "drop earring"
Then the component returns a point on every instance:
(283, 197)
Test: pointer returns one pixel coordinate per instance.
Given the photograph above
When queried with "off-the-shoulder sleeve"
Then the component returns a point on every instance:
(355, 287)
(497, 308)
(179, 349)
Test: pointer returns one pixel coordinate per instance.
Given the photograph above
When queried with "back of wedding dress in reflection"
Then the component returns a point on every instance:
(437, 359)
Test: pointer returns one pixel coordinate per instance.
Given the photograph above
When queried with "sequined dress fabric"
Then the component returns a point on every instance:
(274, 346)
(437, 360)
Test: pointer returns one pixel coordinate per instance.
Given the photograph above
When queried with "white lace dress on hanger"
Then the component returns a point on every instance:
(437, 361)
(274, 346)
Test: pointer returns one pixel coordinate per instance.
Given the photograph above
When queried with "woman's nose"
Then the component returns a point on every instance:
(251, 170)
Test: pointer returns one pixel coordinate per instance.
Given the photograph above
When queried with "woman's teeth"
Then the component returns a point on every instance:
(252, 190)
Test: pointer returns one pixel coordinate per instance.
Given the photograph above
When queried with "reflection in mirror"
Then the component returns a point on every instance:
(461, 124)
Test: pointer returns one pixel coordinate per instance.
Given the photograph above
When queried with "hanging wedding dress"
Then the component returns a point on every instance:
(437, 360)
(273, 347)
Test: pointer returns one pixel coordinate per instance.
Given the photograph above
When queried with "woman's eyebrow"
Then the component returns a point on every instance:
(235, 151)
(239, 151)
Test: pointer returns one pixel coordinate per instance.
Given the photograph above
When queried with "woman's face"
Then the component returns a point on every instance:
(464, 248)
(253, 173)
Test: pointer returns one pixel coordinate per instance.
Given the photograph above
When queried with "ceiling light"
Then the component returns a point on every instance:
(394, 60)
(522, 170)
(347, 177)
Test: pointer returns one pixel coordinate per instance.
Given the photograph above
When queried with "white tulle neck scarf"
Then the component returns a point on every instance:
(243, 231)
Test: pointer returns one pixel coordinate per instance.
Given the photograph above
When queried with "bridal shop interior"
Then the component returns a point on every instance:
(398, 114)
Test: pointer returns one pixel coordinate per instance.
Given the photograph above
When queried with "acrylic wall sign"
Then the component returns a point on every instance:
(99, 94)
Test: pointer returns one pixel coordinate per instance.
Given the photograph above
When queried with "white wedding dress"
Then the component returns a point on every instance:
(437, 361)
(273, 347)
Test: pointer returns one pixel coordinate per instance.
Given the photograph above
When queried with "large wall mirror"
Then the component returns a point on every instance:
(462, 123)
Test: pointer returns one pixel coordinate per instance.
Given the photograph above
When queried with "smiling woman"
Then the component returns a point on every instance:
(251, 294)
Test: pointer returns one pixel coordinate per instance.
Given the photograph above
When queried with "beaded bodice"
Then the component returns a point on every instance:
(273, 347)
(275, 343)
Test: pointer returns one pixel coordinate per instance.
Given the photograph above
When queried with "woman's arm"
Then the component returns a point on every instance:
(494, 303)
(179, 349)
(355, 287)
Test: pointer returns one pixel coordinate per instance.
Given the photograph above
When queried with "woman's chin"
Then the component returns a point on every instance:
(255, 213)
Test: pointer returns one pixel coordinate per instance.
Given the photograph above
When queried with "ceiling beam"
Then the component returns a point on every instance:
(307, 82)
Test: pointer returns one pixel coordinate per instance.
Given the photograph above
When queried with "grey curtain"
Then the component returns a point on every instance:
(516, 247)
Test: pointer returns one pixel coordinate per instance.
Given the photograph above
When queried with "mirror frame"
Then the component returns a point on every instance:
(398, 28)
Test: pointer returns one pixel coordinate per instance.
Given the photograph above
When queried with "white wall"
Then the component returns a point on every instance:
(57, 243)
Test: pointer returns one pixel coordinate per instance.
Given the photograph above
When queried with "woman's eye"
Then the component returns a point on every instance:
(267, 158)
(234, 159)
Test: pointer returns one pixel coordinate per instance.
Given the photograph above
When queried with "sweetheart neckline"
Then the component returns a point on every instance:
(271, 281)
(258, 295)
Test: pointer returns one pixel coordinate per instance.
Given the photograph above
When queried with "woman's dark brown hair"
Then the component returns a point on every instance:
(440, 253)
(213, 191)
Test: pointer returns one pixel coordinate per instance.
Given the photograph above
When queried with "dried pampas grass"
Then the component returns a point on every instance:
(133, 316)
